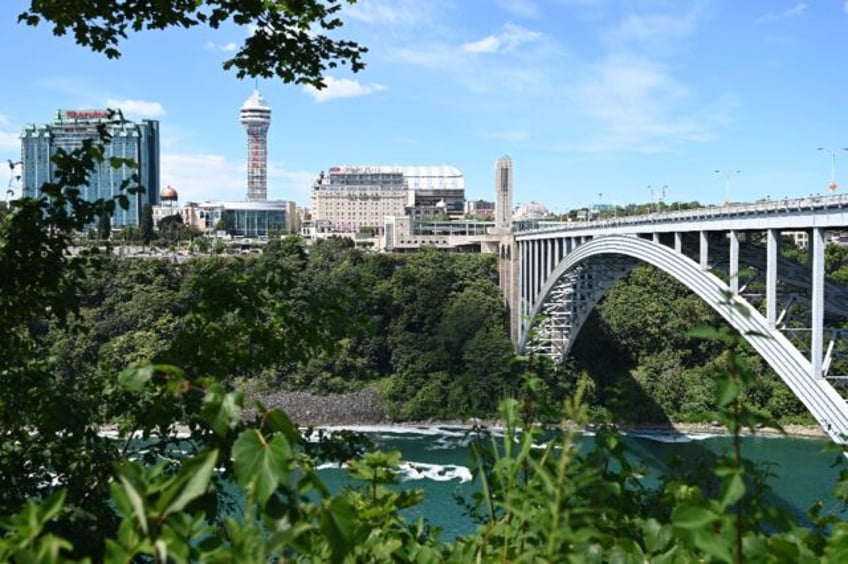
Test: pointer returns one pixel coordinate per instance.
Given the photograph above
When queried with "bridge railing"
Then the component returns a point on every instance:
(764, 206)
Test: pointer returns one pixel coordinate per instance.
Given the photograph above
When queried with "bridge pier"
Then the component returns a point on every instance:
(704, 250)
(772, 246)
(816, 253)
(733, 266)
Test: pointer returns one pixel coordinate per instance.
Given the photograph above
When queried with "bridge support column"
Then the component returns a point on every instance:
(655, 237)
(549, 251)
(733, 267)
(705, 250)
(510, 269)
(531, 264)
(528, 268)
(816, 252)
(678, 242)
(531, 273)
(772, 245)
(522, 287)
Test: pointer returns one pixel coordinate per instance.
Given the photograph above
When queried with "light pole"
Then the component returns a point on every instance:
(727, 174)
(660, 195)
(832, 152)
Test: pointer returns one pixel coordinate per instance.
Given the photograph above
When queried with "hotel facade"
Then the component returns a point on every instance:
(351, 198)
(128, 140)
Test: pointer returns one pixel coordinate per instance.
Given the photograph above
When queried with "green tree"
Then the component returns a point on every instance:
(49, 418)
(146, 228)
(129, 233)
(171, 228)
(48, 421)
(287, 40)
(104, 227)
(487, 376)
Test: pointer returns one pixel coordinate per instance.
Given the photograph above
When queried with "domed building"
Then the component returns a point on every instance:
(169, 206)
(531, 210)
(168, 197)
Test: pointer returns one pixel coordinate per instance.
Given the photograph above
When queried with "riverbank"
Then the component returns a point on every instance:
(801, 431)
(364, 408)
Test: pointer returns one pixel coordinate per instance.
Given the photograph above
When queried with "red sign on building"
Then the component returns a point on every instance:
(86, 114)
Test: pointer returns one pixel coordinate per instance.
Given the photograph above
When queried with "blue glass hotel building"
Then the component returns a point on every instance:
(130, 140)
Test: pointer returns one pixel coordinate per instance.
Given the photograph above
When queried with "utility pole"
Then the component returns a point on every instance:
(832, 186)
(727, 174)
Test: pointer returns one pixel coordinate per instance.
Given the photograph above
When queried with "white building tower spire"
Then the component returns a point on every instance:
(255, 116)
(503, 194)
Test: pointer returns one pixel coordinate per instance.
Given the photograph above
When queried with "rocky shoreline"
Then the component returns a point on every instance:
(365, 408)
(303, 408)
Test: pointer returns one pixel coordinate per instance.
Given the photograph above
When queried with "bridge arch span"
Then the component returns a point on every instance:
(579, 280)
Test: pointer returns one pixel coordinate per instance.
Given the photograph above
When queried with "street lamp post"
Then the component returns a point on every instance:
(832, 152)
(660, 195)
(727, 174)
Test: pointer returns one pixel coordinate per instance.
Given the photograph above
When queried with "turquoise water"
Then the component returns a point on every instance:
(438, 463)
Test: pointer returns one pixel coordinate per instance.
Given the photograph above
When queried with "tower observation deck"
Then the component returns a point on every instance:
(255, 116)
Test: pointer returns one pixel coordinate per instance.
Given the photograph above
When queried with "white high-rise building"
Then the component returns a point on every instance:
(503, 193)
(256, 118)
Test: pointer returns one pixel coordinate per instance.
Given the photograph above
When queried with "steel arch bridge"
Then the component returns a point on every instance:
(553, 277)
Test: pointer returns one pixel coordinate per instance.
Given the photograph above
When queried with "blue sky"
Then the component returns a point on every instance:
(595, 100)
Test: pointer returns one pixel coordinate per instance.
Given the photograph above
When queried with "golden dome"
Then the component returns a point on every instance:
(168, 193)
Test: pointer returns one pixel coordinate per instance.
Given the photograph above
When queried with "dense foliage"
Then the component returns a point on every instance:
(288, 39)
(428, 329)
(646, 368)
(86, 341)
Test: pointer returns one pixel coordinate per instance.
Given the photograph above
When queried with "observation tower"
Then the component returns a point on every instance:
(255, 116)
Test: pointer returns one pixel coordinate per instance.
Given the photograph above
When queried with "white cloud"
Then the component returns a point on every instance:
(226, 47)
(10, 151)
(341, 88)
(291, 185)
(510, 38)
(639, 105)
(9, 139)
(796, 10)
(200, 177)
(137, 108)
(488, 44)
(652, 28)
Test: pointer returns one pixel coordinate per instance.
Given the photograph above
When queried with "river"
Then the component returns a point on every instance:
(437, 461)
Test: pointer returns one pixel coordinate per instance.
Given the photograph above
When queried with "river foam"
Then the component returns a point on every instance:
(671, 437)
(411, 471)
